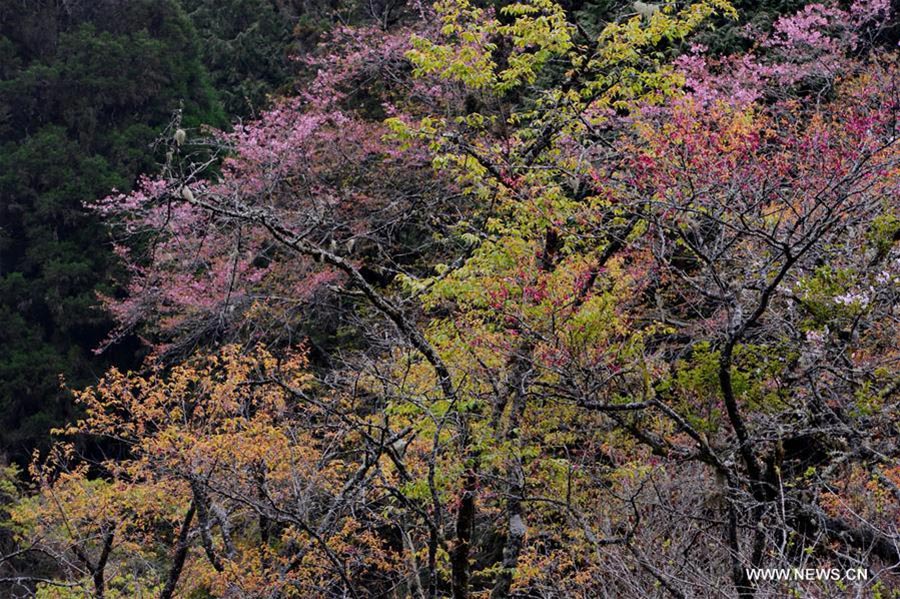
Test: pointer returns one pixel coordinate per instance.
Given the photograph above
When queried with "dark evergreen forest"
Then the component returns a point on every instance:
(87, 89)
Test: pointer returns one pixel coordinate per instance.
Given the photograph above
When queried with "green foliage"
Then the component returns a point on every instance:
(245, 46)
(84, 94)
(818, 292)
(731, 36)
(884, 232)
(695, 385)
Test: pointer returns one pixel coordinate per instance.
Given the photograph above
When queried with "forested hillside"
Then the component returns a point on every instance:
(526, 299)
(86, 90)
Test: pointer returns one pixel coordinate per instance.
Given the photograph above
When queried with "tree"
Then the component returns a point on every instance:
(246, 47)
(86, 89)
(650, 351)
(218, 494)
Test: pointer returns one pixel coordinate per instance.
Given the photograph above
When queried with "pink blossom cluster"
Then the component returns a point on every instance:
(814, 43)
